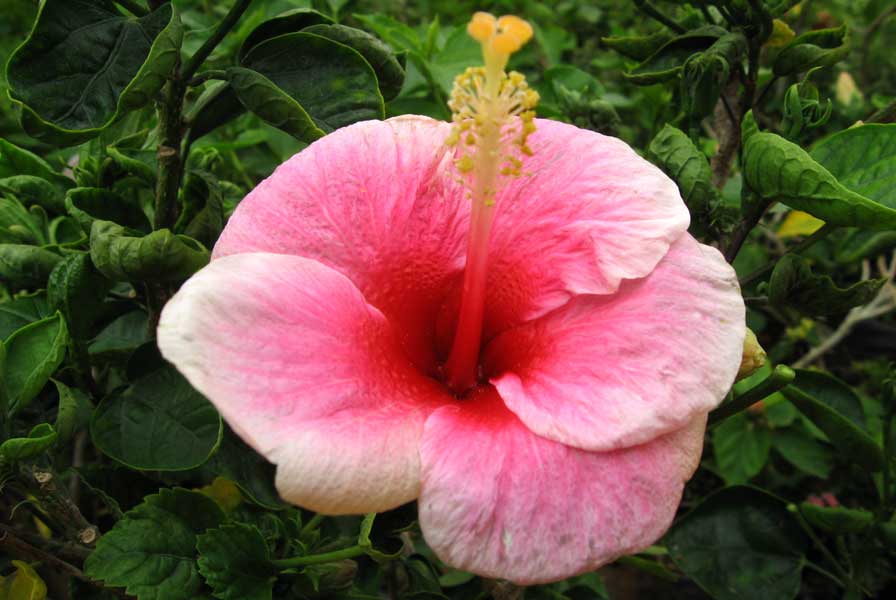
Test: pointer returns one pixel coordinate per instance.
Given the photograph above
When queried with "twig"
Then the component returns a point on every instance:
(651, 11)
(883, 302)
(55, 500)
(236, 11)
(64, 550)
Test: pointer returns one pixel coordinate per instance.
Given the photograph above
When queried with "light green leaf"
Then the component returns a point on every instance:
(667, 62)
(235, 561)
(24, 266)
(151, 552)
(39, 440)
(159, 423)
(113, 63)
(818, 48)
(33, 354)
(30, 189)
(18, 161)
(158, 256)
(741, 448)
(778, 169)
(863, 159)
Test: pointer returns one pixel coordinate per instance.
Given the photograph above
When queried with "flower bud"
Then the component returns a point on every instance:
(753, 358)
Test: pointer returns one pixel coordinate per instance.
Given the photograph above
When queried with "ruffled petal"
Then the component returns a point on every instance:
(586, 214)
(309, 374)
(499, 501)
(378, 202)
(607, 372)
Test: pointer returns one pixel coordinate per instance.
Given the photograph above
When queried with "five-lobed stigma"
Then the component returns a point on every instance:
(493, 111)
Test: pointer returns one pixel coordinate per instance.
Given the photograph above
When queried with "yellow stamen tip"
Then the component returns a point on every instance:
(513, 29)
(482, 26)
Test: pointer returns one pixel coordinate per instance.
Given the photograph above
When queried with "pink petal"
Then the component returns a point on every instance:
(587, 213)
(377, 201)
(309, 374)
(607, 372)
(502, 502)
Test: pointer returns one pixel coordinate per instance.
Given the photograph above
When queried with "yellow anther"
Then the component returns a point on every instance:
(482, 26)
(465, 163)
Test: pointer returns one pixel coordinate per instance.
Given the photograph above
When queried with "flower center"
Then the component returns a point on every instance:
(493, 117)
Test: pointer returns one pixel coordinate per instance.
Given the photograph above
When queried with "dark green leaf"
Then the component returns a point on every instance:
(777, 169)
(39, 440)
(389, 72)
(863, 159)
(74, 411)
(203, 207)
(235, 561)
(262, 96)
(794, 284)
(121, 336)
(291, 21)
(113, 63)
(217, 106)
(681, 160)
(33, 354)
(159, 423)
(667, 62)
(330, 81)
(741, 448)
(705, 73)
(740, 544)
(24, 266)
(87, 205)
(76, 290)
(803, 451)
(151, 551)
(818, 48)
(159, 256)
(253, 474)
(18, 312)
(140, 163)
(836, 409)
(836, 519)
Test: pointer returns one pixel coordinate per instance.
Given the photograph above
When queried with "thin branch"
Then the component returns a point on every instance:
(230, 19)
(651, 11)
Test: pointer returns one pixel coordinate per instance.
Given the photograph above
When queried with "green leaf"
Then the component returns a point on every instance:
(639, 47)
(365, 543)
(674, 152)
(18, 161)
(740, 544)
(397, 34)
(217, 106)
(252, 474)
(741, 448)
(807, 454)
(76, 289)
(18, 312)
(18, 225)
(140, 163)
(120, 337)
(30, 189)
(159, 423)
(459, 52)
(667, 62)
(836, 519)
(863, 159)
(704, 73)
(203, 207)
(24, 266)
(235, 561)
(331, 82)
(39, 440)
(33, 354)
(273, 105)
(113, 63)
(835, 408)
(291, 21)
(87, 205)
(389, 72)
(151, 551)
(818, 48)
(74, 411)
(794, 284)
(159, 256)
(778, 169)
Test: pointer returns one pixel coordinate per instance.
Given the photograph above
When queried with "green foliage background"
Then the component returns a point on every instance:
(120, 480)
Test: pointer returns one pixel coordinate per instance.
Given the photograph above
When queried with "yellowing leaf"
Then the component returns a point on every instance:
(224, 492)
(24, 584)
(799, 223)
(781, 34)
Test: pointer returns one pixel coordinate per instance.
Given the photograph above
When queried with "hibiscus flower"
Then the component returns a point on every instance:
(503, 319)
